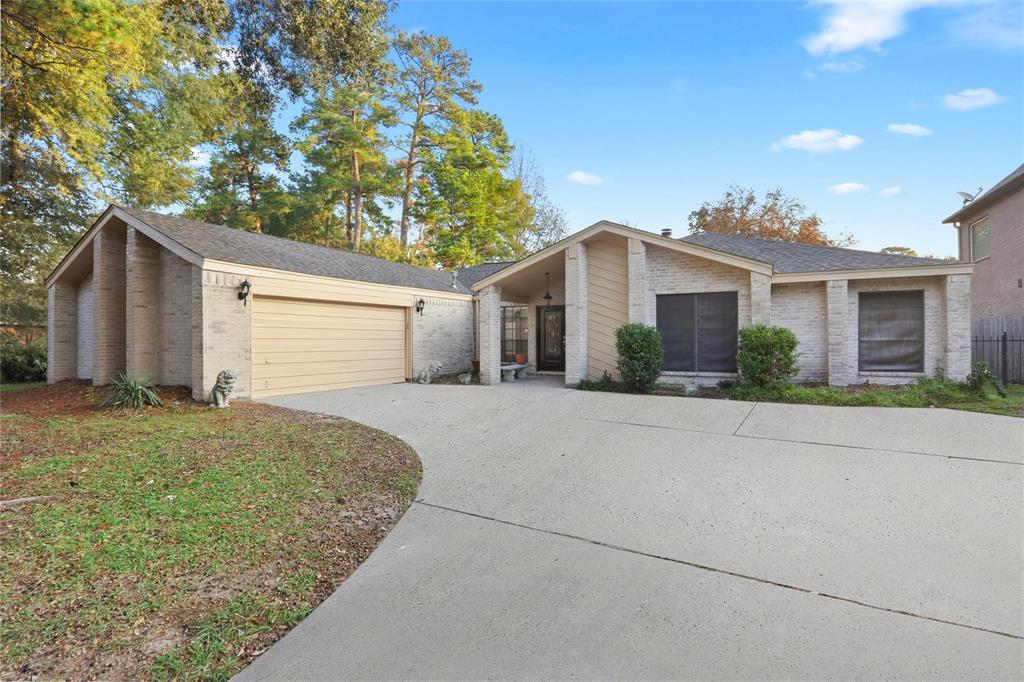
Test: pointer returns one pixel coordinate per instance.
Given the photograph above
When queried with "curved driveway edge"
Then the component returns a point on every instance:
(561, 533)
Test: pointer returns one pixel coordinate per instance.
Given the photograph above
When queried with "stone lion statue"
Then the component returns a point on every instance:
(425, 376)
(223, 388)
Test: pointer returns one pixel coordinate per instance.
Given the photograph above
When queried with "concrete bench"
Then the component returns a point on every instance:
(510, 372)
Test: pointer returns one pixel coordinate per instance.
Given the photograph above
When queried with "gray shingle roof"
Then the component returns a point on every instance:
(795, 257)
(262, 250)
(474, 273)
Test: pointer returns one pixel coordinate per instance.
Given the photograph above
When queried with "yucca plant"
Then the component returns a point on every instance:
(127, 393)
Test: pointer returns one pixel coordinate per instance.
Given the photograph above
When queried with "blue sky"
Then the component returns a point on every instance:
(657, 107)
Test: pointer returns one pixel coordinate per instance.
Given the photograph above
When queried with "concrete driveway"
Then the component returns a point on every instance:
(560, 533)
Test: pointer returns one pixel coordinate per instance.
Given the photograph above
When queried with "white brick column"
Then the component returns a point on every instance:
(840, 368)
(575, 313)
(142, 307)
(61, 332)
(760, 298)
(221, 325)
(958, 326)
(108, 287)
(489, 335)
(637, 281)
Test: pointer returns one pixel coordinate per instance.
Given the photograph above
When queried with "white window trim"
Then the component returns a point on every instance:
(970, 239)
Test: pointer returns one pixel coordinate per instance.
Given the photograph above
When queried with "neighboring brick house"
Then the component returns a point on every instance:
(177, 301)
(990, 234)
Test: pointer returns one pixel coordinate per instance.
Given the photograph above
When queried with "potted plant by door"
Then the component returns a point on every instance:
(520, 358)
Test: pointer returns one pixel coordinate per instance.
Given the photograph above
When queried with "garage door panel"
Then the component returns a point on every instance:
(324, 382)
(302, 346)
(321, 369)
(327, 355)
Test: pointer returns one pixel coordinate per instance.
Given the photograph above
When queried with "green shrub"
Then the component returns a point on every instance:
(640, 355)
(979, 380)
(766, 355)
(605, 383)
(22, 362)
(126, 393)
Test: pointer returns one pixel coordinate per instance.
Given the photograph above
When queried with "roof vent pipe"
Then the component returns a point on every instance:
(455, 276)
(666, 232)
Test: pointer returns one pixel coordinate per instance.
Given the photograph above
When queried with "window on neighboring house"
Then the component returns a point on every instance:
(979, 239)
(890, 331)
(698, 331)
(513, 331)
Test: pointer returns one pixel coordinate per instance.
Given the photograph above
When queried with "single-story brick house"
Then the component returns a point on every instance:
(176, 301)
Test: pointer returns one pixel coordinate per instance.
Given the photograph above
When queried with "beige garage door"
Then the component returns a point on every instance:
(302, 346)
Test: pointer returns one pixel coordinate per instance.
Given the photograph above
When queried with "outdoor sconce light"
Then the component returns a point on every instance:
(420, 304)
(243, 290)
(547, 290)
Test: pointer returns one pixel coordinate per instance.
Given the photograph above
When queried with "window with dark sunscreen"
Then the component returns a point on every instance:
(698, 331)
(890, 331)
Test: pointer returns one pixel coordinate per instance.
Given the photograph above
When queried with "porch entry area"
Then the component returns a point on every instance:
(549, 323)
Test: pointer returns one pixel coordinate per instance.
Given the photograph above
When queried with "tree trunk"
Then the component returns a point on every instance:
(254, 197)
(348, 217)
(357, 207)
(410, 165)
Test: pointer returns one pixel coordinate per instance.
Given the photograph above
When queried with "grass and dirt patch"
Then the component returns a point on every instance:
(178, 542)
(922, 393)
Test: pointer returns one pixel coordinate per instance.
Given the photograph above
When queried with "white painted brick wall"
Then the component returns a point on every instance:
(489, 334)
(838, 323)
(108, 248)
(670, 272)
(575, 313)
(443, 333)
(85, 334)
(958, 325)
(802, 308)
(221, 338)
(637, 281)
(760, 298)
(62, 331)
(175, 327)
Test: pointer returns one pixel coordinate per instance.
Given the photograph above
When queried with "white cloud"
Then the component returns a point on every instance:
(818, 141)
(909, 129)
(996, 24)
(893, 191)
(858, 24)
(845, 66)
(199, 158)
(972, 98)
(848, 188)
(585, 178)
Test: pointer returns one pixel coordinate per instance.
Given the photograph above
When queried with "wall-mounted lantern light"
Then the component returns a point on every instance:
(420, 304)
(547, 290)
(243, 290)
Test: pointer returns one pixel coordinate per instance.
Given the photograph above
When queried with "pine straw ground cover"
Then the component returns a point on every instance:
(181, 541)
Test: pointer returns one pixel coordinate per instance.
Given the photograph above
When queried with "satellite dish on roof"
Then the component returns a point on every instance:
(968, 197)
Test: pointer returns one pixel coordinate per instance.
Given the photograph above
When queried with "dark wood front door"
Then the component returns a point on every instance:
(551, 338)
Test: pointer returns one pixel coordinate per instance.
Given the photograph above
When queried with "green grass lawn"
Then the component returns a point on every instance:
(181, 542)
(13, 388)
(923, 393)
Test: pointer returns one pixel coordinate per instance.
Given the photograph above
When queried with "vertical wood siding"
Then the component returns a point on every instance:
(607, 301)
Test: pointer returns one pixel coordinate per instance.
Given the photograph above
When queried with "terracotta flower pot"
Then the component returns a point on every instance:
(520, 358)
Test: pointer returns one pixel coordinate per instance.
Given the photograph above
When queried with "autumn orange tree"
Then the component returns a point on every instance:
(777, 216)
